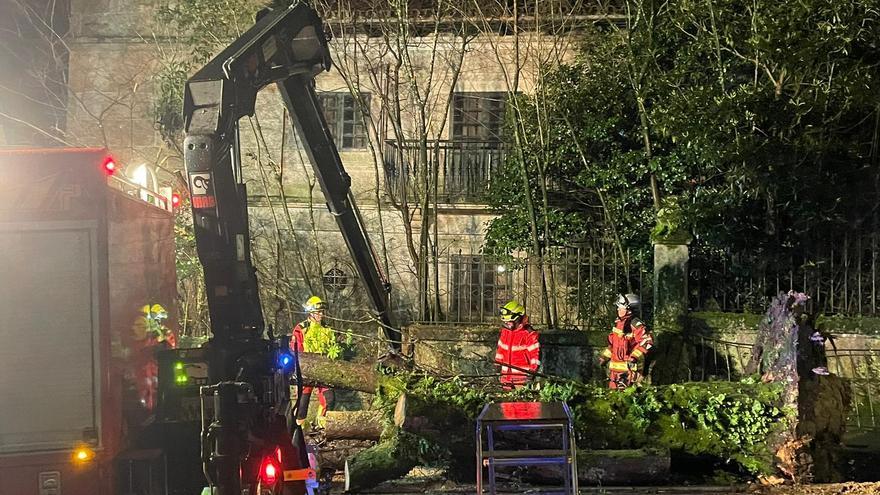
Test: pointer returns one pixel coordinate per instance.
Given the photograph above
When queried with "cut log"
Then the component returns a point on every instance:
(437, 422)
(387, 460)
(610, 467)
(318, 370)
(354, 425)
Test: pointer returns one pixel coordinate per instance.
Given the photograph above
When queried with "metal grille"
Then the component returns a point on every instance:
(463, 169)
(860, 367)
(581, 285)
(839, 275)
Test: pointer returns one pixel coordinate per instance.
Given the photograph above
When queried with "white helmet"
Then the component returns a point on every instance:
(628, 301)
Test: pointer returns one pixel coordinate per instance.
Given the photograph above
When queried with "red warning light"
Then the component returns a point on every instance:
(109, 165)
(269, 471)
(175, 200)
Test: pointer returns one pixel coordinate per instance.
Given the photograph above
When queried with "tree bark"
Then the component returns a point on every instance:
(435, 422)
(354, 425)
(322, 371)
(332, 455)
(387, 460)
(610, 467)
(444, 425)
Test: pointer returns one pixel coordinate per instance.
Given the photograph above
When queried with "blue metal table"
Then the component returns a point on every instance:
(526, 416)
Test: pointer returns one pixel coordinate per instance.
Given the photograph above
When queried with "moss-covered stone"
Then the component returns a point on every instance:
(859, 325)
(670, 286)
(731, 326)
(738, 325)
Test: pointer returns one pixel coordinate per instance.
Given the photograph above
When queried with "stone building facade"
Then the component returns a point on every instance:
(451, 93)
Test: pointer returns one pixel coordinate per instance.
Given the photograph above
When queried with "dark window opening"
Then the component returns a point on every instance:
(478, 286)
(345, 119)
(478, 116)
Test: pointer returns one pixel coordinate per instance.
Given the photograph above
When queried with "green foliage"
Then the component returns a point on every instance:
(727, 420)
(323, 340)
(168, 99)
(186, 258)
(762, 112)
(203, 27)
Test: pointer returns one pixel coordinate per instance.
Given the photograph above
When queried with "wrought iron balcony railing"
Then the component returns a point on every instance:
(463, 169)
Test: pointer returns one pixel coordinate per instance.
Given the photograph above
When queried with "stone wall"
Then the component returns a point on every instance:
(470, 350)
(719, 347)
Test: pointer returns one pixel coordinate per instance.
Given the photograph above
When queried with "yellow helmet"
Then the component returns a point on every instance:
(512, 311)
(314, 304)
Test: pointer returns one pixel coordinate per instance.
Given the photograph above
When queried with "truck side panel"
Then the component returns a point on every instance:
(53, 286)
(49, 334)
(142, 273)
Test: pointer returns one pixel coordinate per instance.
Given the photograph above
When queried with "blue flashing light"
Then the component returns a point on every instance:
(284, 360)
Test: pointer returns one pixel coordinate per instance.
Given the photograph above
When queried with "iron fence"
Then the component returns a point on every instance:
(581, 284)
(462, 169)
(708, 359)
(860, 368)
(840, 277)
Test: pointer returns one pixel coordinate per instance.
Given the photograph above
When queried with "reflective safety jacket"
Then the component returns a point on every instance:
(628, 342)
(518, 347)
(309, 332)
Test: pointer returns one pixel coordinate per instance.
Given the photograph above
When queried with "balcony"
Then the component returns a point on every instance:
(464, 169)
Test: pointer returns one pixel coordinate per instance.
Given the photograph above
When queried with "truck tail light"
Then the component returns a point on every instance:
(269, 470)
(109, 165)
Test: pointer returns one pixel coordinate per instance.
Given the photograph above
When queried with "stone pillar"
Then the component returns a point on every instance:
(670, 285)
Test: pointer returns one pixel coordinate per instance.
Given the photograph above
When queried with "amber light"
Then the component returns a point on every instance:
(83, 454)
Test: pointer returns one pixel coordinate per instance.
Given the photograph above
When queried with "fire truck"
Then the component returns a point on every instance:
(87, 297)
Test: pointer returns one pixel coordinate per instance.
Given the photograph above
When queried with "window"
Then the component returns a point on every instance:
(477, 288)
(344, 118)
(336, 280)
(478, 116)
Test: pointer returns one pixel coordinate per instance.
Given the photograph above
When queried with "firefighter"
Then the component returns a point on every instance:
(518, 349)
(628, 343)
(307, 336)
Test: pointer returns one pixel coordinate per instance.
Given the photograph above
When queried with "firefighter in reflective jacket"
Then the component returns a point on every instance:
(518, 349)
(628, 343)
(306, 336)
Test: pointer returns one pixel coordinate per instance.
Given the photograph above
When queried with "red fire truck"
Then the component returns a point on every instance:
(87, 295)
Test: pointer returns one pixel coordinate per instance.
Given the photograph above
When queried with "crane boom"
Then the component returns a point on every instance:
(245, 399)
(288, 48)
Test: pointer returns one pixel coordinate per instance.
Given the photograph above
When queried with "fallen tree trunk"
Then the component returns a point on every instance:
(443, 424)
(321, 371)
(610, 467)
(354, 425)
(437, 422)
(387, 460)
(331, 456)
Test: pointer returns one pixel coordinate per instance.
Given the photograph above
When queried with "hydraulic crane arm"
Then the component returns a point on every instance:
(287, 47)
